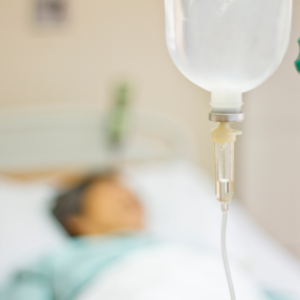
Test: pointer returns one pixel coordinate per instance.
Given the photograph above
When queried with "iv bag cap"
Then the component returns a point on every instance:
(226, 101)
(297, 62)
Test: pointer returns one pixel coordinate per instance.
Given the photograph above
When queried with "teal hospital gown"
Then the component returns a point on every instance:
(65, 274)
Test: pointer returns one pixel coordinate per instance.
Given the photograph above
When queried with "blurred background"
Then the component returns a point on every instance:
(63, 66)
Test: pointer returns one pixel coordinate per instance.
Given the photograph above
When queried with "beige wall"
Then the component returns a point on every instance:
(108, 39)
(103, 40)
(268, 177)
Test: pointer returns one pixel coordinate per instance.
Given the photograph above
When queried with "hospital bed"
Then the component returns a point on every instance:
(178, 196)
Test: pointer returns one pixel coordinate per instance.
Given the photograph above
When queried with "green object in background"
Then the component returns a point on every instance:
(118, 118)
(297, 62)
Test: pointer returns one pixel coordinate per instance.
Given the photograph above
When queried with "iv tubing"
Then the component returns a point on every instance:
(224, 252)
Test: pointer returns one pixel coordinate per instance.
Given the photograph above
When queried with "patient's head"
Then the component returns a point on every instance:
(99, 204)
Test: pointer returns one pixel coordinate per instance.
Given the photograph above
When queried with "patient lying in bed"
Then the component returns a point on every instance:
(110, 257)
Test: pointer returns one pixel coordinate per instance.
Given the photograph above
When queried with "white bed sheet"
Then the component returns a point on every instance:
(272, 265)
(182, 207)
(180, 204)
(170, 272)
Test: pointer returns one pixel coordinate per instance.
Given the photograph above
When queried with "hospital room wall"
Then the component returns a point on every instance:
(267, 175)
(101, 42)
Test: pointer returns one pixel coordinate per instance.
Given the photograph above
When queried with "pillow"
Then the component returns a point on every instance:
(179, 202)
(27, 229)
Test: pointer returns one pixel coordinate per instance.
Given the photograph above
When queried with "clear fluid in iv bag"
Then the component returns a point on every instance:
(229, 44)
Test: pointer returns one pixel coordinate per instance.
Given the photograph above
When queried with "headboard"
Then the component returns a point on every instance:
(35, 141)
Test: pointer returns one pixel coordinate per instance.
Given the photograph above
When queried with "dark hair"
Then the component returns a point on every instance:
(69, 203)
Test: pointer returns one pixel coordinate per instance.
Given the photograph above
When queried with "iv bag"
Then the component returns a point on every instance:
(227, 46)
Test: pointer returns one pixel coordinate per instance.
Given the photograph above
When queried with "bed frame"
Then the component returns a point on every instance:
(55, 141)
